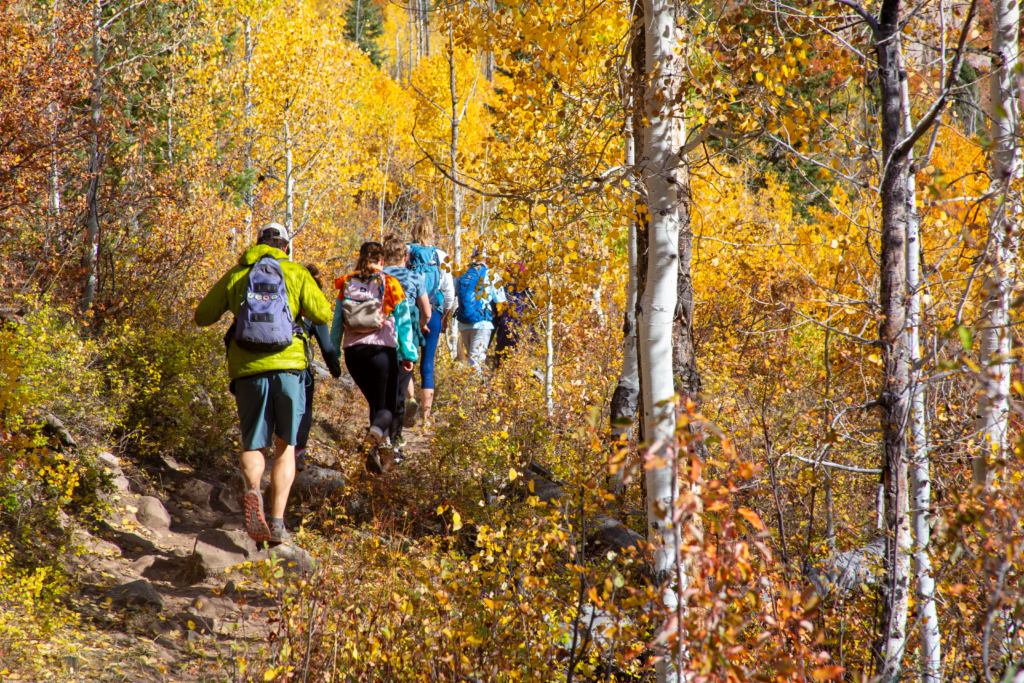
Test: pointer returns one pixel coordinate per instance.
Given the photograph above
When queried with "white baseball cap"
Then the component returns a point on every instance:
(282, 231)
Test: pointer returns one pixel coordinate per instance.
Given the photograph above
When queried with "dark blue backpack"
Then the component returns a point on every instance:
(423, 260)
(264, 322)
(473, 305)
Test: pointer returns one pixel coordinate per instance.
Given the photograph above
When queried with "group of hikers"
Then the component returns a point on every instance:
(391, 312)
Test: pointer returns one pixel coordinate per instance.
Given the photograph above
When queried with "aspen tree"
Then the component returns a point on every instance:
(996, 336)
(658, 304)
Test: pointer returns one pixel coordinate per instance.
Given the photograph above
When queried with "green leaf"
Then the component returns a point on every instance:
(966, 338)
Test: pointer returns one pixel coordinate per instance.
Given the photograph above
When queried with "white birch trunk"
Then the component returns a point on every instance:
(247, 95)
(927, 616)
(92, 221)
(996, 336)
(289, 179)
(657, 309)
(624, 400)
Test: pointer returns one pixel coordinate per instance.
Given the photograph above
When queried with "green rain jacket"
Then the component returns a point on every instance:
(227, 295)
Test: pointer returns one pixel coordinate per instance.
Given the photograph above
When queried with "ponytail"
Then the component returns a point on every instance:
(369, 253)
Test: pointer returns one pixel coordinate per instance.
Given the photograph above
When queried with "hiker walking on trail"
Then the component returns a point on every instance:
(476, 294)
(395, 253)
(373, 326)
(511, 326)
(322, 334)
(266, 352)
(429, 261)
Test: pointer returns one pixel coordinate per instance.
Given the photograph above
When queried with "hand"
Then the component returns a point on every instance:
(425, 329)
(407, 365)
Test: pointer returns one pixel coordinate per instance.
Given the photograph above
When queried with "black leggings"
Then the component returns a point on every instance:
(403, 385)
(375, 370)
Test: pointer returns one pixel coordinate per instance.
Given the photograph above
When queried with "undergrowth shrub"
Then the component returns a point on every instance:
(181, 405)
(55, 406)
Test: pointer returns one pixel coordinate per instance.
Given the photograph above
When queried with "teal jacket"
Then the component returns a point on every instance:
(303, 296)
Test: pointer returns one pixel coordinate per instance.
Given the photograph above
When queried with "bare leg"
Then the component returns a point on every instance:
(428, 402)
(410, 391)
(281, 477)
(253, 465)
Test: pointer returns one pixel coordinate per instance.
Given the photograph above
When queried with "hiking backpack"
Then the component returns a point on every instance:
(362, 304)
(473, 306)
(264, 322)
(423, 260)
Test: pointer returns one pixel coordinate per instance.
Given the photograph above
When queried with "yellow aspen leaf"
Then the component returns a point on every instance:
(512, 474)
(456, 521)
(827, 673)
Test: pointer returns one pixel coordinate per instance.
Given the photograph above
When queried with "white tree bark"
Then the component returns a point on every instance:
(627, 392)
(996, 336)
(90, 259)
(289, 178)
(927, 616)
(247, 195)
(549, 355)
(657, 310)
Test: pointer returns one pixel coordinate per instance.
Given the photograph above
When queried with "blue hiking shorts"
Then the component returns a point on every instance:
(269, 403)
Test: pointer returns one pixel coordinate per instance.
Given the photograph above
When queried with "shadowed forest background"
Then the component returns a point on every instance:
(765, 425)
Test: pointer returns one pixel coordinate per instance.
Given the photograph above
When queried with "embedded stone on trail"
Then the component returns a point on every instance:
(111, 464)
(140, 592)
(212, 607)
(221, 548)
(293, 559)
(229, 498)
(197, 492)
(318, 481)
(152, 514)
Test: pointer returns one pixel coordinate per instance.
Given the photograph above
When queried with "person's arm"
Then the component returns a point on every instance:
(407, 350)
(423, 303)
(338, 326)
(327, 349)
(214, 304)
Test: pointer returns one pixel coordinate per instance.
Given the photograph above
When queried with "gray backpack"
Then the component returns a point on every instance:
(264, 322)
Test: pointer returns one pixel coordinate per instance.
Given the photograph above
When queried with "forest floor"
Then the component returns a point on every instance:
(170, 600)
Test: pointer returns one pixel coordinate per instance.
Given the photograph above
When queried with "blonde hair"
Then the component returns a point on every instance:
(423, 231)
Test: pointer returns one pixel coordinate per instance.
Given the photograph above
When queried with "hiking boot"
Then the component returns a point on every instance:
(374, 436)
(280, 535)
(373, 463)
(412, 408)
(397, 456)
(255, 523)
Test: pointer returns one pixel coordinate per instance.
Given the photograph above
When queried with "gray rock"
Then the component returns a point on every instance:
(222, 548)
(318, 481)
(140, 592)
(173, 464)
(609, 534)
(153, 515)
(230, 499)
(159, 568)
(111, 464)
(197, 492)
(293, 559)
(847, 570)
(214, 606)
(132, 543)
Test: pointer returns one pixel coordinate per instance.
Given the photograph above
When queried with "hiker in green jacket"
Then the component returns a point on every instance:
(266, 357)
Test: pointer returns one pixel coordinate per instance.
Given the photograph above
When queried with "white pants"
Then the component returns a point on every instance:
(473, 347)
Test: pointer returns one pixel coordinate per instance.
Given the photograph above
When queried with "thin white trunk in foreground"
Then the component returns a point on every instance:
(927, 616)
(657, 309)
(996, 337)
